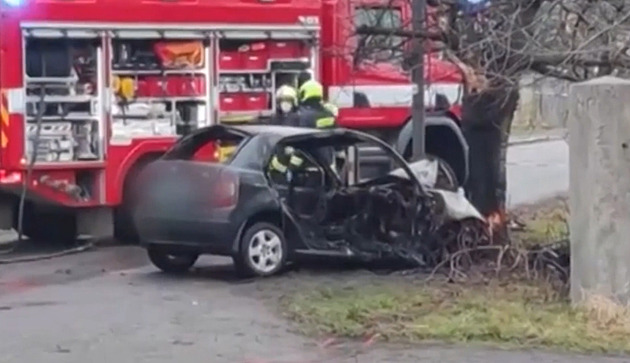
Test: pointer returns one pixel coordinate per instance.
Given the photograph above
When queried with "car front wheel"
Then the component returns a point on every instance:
(172, 262)
(262, 252)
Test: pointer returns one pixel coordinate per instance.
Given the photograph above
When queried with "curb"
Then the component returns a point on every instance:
(534, 140)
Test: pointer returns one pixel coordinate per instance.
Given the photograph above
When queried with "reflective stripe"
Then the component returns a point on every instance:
(296, 161)
(277, 165)
(325, 122)
(4, 119)
(332, 108)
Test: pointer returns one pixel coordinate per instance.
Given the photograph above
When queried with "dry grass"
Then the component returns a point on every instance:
(510, 314)
(544, 223)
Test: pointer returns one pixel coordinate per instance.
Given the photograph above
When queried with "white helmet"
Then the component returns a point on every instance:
(286, 93)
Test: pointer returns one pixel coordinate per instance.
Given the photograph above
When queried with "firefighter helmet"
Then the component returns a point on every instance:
(311, 89)
(286, 93)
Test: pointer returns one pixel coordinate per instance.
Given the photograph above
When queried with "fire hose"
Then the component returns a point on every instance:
(25, 183)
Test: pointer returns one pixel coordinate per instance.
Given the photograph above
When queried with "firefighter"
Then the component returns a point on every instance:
(306, 77)
(311, 110)
(283, 164)
(286, 106)
(313, 113)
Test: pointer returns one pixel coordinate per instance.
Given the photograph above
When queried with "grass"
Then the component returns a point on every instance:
(506, 313)
(510, 314)
(545, 223)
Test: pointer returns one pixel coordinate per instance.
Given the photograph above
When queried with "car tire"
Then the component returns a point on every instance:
(263, 251)
(171, 262)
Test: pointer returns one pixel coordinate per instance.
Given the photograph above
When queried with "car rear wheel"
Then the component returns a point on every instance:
(263, 251)
(172, 262)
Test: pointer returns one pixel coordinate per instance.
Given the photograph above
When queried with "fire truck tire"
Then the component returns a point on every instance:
(124, 228)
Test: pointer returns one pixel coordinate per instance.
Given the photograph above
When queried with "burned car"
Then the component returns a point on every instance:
(264, 218)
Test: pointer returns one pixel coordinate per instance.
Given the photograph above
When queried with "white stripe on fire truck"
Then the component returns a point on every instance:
(390, 95)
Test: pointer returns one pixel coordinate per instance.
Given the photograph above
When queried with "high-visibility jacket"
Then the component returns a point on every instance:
(332, 108)
(286, 160)
(315, 115)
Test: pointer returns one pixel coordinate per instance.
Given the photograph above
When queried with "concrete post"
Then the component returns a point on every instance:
(599, 154)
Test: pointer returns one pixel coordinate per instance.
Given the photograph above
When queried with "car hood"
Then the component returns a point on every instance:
(457, 206)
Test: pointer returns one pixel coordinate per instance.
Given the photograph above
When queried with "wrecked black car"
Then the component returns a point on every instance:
(241, 206)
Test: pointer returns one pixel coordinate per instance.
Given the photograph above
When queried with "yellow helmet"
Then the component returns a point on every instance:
(311, 89)
(287, 93)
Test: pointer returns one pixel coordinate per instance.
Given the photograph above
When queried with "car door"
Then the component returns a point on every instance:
(302, 189)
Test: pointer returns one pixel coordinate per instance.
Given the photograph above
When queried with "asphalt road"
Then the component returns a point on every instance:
(537, 171)
(110, 305)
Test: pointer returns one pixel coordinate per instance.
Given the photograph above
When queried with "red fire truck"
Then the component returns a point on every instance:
(92, 90)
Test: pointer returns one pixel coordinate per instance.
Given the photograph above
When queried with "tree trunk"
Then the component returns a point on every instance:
(486, 123)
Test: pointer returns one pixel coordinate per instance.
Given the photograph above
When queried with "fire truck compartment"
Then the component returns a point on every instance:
(62, 83)
(160, 87)
(251, 70)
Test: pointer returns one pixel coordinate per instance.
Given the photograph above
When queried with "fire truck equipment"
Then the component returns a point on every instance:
(179, 54)
(125, 88)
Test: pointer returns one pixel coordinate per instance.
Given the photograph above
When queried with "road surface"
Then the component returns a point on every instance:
(110, 305)
(537, 171)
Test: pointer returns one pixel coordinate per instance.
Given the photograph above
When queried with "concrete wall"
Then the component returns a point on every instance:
(599, 159)
(543, 103)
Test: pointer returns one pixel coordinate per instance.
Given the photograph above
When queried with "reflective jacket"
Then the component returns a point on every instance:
(315, 115)
(285, 160)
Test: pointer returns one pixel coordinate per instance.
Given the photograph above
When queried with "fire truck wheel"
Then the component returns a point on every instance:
(124, 228)
(171, 261)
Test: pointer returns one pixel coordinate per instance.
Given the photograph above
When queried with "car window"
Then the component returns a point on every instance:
(254, 155)
(219, 147)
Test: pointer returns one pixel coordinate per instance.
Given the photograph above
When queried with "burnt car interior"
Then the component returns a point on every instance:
(371, 218)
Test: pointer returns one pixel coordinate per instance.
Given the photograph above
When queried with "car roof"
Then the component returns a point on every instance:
(277, 130)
